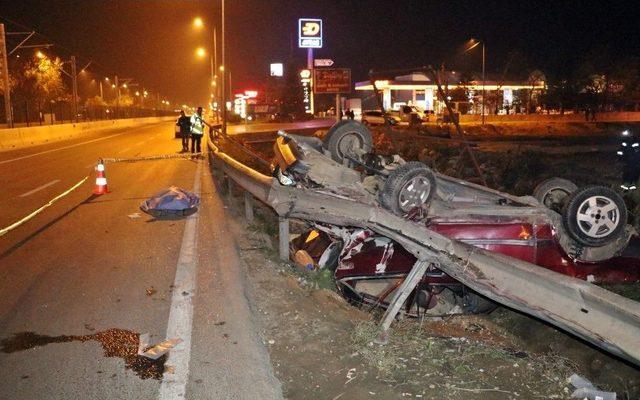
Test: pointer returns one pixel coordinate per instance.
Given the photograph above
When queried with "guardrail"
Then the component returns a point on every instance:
(603, 318)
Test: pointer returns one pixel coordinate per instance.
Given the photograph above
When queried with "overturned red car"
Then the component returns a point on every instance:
(580, 232)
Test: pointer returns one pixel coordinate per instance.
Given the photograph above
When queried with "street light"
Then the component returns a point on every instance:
(472, 44)
(198, 24)
(201, 52)
(40, 54)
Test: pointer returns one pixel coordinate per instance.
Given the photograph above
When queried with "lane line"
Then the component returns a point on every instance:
(4, 231)
(180, 324)
(139, 143)
(39, 188)
(60, 148)
(68, 147)
(124, 150)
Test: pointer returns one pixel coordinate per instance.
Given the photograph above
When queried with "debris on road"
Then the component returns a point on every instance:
(586, 390)
(134, 216)
(115, 342)
(160, 349)
(303, 260)
(171, 201)
(151, 291)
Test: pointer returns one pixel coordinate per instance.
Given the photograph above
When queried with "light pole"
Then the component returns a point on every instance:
(472, 44)
(222, 76)
(198, 24)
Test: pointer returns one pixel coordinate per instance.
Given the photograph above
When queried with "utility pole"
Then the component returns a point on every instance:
(117, 96)
(74, 84)
(310, 68)
(214, 73)
(4, 71)
(483, 82)
(222, 75)
(101, 93)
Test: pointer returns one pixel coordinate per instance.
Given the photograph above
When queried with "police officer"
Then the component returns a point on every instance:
(184, 123)
(197, 130)
(629, 153)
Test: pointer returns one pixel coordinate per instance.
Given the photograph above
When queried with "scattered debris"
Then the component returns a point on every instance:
(586, 390)
(119, 343)
(351, 375)
(304, 260)
(151, 291)
(134, 216)
(160, 349)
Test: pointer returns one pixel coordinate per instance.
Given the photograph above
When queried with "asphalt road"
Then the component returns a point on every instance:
(80, 281)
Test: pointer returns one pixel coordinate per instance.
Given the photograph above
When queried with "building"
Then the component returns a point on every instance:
(465, 93)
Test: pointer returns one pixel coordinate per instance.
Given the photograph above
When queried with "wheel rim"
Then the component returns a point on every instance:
(554, 197)
(347, 143)
(414, 193)
(598, 216)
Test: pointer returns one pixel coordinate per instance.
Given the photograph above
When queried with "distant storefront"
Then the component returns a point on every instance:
(466, 94)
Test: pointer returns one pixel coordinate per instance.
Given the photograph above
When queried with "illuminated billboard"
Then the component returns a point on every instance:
(276, 69)
(310, 33)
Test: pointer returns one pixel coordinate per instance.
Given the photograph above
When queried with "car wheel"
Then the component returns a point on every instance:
(594, 216)
(348, 139)
(553, 192)
(410, 185)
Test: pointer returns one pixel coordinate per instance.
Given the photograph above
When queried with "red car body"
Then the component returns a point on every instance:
(525, 241)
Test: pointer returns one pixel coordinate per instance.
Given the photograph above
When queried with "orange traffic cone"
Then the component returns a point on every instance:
(101, 180)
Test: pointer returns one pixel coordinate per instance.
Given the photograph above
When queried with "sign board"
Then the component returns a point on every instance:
(305, 81)
(322, 62)
(276, 69)
(334, 80)
(310, 33)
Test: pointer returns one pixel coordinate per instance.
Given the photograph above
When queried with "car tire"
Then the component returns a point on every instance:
(553, 192)
(410, 185)
(346, 136)
(594, 216)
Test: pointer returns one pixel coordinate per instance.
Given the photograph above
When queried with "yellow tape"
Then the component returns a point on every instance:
(4, 231)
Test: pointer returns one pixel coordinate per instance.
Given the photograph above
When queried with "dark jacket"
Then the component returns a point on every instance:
(185, 124)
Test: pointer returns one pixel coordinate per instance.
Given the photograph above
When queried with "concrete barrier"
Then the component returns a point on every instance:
(36, 135)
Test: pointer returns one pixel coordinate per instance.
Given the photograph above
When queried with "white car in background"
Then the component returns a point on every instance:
(374, 117)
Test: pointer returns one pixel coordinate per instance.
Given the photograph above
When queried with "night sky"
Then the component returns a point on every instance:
(153, 41)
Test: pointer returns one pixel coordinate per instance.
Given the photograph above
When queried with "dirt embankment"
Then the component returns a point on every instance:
(322, 347)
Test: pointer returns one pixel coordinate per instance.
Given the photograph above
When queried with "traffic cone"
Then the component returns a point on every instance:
(101, 180)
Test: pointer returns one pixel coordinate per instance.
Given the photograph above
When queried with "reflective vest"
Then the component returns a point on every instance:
(197, 125)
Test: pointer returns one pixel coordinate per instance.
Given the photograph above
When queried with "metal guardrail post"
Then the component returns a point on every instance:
(399, 298)
(248, 207)
(283, 238)
(229, 187)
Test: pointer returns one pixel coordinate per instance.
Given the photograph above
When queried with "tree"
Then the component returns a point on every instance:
(95, 101)
(536, 77)
(44, 76)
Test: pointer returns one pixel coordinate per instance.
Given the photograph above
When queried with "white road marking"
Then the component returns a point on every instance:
(124, 150)
(60, 148)
(46, 185)
(174, 384)
(139, 143)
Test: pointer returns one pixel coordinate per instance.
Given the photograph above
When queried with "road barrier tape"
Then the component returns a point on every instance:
(4, 231)
(150, 158)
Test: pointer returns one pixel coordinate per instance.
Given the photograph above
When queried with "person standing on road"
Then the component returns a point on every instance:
(184, 124)
(197, 130)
